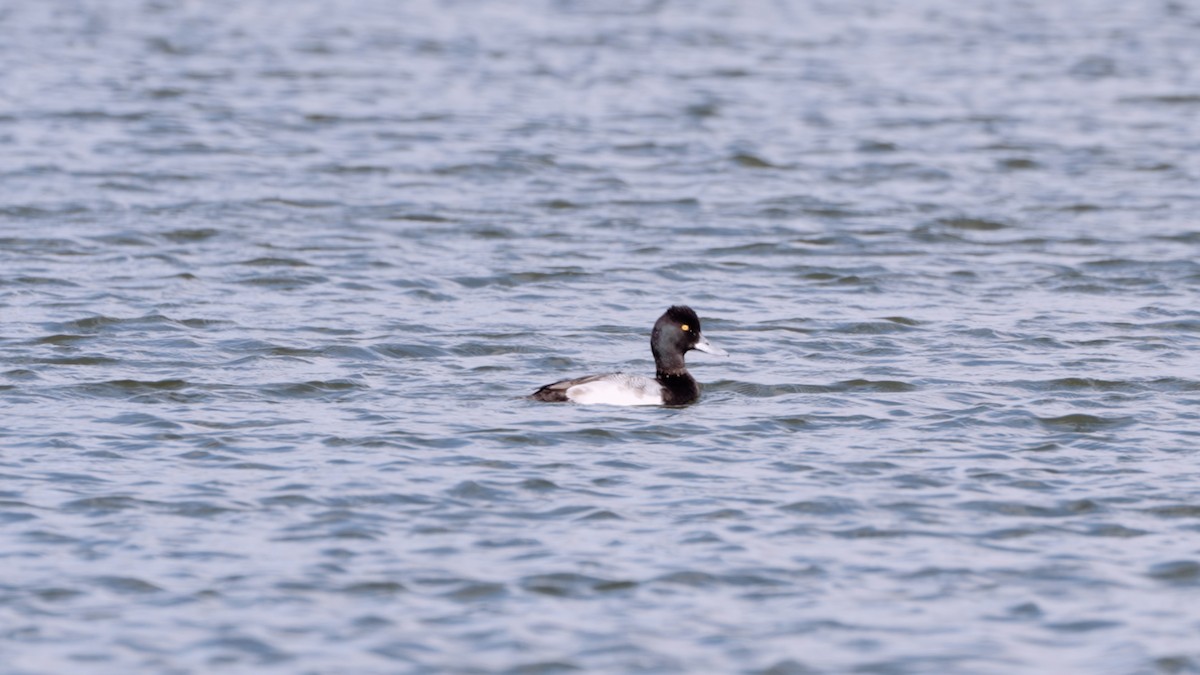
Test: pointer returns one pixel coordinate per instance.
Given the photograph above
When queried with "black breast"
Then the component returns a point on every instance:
(678, 389)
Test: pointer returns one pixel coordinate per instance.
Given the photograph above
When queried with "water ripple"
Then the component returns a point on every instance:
(276, 281)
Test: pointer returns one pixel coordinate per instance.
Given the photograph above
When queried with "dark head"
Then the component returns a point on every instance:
(675, 333)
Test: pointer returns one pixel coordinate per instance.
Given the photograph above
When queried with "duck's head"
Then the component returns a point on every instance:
(677, 332)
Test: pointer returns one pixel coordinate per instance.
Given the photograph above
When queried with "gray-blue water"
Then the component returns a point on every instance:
(275, 277)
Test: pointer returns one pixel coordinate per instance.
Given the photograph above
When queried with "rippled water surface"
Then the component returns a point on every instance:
(275, 277)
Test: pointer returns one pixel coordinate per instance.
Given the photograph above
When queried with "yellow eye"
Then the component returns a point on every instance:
(684, 327)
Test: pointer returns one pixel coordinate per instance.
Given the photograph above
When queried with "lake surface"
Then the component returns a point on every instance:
(275, 278)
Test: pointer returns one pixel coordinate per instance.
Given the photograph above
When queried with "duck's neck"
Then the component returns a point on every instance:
(679, 387)
(667, 362)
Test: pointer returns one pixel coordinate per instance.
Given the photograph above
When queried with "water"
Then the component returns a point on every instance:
(274, 278)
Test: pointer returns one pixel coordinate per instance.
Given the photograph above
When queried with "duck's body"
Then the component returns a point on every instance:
(675, 333)
(610, 388)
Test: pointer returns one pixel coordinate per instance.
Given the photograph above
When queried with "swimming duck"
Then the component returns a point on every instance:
(675, 333)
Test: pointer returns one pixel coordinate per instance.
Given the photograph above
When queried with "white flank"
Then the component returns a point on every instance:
(618, 389)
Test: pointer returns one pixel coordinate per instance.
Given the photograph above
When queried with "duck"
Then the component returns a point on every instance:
(675, 333)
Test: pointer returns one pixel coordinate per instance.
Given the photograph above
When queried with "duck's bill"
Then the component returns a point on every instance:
(708, 348)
